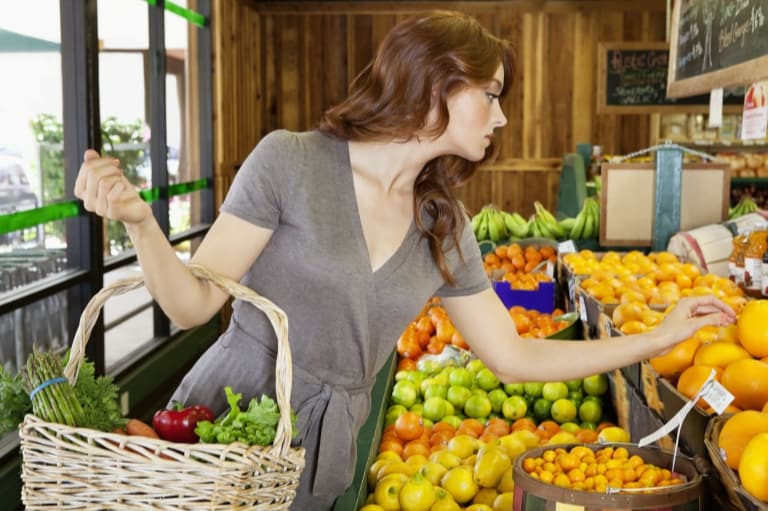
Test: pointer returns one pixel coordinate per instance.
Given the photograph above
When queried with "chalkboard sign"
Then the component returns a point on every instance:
(632, 78)
(717, 43)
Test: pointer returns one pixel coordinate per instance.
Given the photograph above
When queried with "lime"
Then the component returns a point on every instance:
(428, 366)
(434, 408)
(405, 393)
(563, 410)
(533, 388)
(590, 411)
(393, 412)
(436, 390)
(555, 390)
(457, 395)
(514, 407)
(417, 408)
(514, 389)
(486, 380)
(541, 408)
(588, 425)
(453, 420)
(497, 398)
(474, 365)
(595, 385)
(477, 407)
(449, 408)
(570, 427)
(574, 384)
(460, 376)
(577, 396)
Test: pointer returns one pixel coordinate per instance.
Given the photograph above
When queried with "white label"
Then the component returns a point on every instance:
(764, 281)
(679, 417)
(753, 272)
(582, 309)
(715, 108)
(550, 271)
(716, 396)
(566, 247)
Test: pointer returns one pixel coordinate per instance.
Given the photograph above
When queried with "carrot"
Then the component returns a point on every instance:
(120, 431)
(139, 428)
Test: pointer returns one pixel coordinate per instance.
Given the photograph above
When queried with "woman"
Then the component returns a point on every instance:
(350, 229)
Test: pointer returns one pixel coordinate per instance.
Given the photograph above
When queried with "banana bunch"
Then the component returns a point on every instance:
(496, 225)
(745, 206)
(545, 225)
(587, 223)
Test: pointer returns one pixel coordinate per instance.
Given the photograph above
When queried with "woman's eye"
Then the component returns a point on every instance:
(491, 96)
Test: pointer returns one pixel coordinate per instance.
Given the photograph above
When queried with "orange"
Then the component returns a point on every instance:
(409, 426)
(719, 354)
(693, 378)
(753, 328)
(676, 360)
(738, 431)
(627, 311)
(747, 380)
(753, 468)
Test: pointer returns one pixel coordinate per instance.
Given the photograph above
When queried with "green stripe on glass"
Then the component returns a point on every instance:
(188, 14)
(26, 219)
(61, 210)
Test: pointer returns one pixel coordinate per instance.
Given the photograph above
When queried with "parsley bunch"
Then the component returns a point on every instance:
(14, 401)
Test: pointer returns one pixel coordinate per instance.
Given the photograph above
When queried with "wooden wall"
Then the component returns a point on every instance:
(280, 64)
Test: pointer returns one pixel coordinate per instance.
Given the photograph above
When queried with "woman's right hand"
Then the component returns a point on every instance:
(105, 191)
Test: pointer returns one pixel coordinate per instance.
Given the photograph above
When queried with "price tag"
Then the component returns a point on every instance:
(550, 270)
(679, 417)
(715, 108)
(716, 396)
(755, 114)
(582, 309)
(566, 247)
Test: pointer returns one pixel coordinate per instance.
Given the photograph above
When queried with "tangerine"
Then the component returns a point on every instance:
(753, 467)
(747, 380)
(409, 426)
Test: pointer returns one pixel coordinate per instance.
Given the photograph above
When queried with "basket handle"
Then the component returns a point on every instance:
(276, 316)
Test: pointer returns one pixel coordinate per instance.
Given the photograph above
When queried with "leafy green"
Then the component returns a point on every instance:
(99, 398)
(14, 401)
(257, 425)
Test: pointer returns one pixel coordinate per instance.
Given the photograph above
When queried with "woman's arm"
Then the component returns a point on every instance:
(489, 330)
(230, 247)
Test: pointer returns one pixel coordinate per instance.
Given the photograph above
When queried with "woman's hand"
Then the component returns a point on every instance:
(105, 191)
(691, 314)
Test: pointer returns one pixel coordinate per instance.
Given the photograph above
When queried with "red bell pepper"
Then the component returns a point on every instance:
(178, 424)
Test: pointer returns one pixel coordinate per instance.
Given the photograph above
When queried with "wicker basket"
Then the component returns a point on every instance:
(77, 468)
(738, 498)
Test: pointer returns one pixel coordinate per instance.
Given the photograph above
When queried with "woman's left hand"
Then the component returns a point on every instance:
(692, 313)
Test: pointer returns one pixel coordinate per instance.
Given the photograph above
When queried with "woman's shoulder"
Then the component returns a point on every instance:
(311, 140)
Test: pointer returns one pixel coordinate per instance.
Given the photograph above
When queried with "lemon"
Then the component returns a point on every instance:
(613, 434)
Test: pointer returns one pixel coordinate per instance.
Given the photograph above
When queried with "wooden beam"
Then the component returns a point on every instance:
(395, 7)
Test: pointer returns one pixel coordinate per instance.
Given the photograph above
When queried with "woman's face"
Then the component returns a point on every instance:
(474, 113)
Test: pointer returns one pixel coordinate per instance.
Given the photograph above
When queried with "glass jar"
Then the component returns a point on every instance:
(753, 263)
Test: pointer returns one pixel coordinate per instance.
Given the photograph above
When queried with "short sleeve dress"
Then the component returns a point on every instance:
(344, 318)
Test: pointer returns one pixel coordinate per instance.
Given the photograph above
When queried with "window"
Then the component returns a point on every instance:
(53, 256)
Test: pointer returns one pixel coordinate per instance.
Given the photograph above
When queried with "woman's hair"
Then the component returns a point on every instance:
(390, 99)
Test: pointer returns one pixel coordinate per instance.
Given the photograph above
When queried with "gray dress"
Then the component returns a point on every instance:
(344, 318)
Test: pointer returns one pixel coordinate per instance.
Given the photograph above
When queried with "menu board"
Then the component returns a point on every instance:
(632, 78)
(717, 44)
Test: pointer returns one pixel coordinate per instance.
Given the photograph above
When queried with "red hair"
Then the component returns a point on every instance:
(440, 51)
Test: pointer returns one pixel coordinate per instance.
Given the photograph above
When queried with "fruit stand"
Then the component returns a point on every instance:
(432, 404)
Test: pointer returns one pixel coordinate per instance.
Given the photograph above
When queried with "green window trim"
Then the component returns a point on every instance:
(30, 218)
(188, 14)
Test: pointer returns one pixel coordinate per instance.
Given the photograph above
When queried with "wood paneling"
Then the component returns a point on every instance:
(281, 64)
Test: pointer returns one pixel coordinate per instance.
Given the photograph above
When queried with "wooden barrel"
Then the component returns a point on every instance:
(534, 495)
